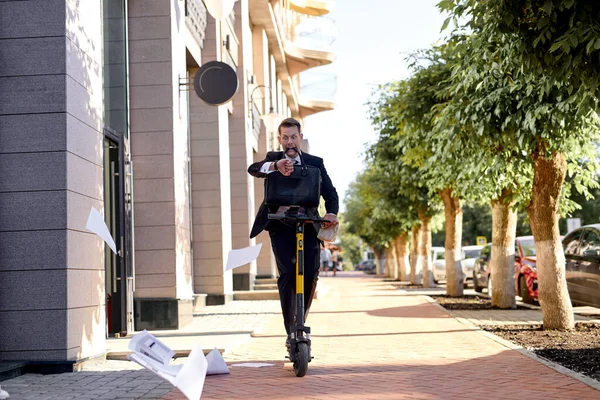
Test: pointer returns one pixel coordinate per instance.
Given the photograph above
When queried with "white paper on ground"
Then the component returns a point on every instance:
(216, 364)
(239, 257)
(96, 224)
(253, 365)
(190, 379)
(3, 394)
(167, 372)
(145, 343)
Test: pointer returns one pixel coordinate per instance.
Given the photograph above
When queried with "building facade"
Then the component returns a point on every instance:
(97, 111)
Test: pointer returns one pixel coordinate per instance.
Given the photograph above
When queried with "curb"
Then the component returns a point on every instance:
(558, 368)
(122, 355)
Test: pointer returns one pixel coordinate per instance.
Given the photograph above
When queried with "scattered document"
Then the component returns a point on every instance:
(3, 394)
(152, 354)
(216, 363)
(239, 257)
(96, 224)
(148, 345)
(253, 365)
(190, 379)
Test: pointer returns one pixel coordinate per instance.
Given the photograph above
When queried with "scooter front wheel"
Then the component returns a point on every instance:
(302, 358)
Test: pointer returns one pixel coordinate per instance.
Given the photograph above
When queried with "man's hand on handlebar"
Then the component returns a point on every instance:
(331, 221)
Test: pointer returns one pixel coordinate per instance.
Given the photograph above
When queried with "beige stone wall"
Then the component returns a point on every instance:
(159, 151)
(85, 308)
(241, 137)
(211, 192)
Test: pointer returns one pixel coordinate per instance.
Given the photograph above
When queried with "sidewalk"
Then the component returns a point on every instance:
(370, 341)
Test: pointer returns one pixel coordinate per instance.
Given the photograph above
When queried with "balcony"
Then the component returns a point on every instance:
(317, 91)
(311, 7)
(195, 23)
(307, 40)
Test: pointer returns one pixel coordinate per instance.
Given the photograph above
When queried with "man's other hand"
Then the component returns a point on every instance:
(285, 167)
(331, 221)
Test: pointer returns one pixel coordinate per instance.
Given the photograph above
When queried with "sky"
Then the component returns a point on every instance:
(373, 38)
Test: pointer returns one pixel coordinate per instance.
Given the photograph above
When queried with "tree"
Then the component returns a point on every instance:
(542, 59)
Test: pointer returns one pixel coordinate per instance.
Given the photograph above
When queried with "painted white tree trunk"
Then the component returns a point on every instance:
(416, 264)
(394, 260)
(453, 252)
(425, 250)
(548, 178)
(504, 228)
(402, 252)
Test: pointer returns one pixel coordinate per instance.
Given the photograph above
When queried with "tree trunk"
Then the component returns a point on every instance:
(415, 262)
(402, 252)
(425, 249)
(452, 252)
(504, 229)
(379, 258)
(388, 262)
(394, 260)
(548, 178)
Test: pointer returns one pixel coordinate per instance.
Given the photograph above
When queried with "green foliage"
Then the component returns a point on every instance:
(349, 243)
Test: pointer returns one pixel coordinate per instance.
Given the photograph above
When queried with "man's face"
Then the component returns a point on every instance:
(290, 138)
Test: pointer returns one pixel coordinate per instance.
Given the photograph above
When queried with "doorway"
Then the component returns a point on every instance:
(118, 215)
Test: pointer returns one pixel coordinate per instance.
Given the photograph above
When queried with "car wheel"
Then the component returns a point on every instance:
(524, 292)
(476, 286)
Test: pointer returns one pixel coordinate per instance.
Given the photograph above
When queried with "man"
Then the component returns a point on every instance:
(325, 259)
(283, 235)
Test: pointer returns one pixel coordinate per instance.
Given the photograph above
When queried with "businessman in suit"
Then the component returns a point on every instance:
(283, 235)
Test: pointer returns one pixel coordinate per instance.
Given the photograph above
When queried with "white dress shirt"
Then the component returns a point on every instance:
(266, 167)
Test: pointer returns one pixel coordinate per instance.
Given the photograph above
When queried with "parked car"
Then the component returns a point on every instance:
(365, 266)
(469, 255)
(582, 256)
(481, 268)
(438, 264)
(524, 269)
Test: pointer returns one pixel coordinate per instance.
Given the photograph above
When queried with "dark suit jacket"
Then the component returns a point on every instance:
(328, 192)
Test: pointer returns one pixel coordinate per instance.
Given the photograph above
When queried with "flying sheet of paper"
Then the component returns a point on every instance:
(96, 224)
(190, 379)
(239, 257)
(253, 365)
(216, 364)
(3, 394)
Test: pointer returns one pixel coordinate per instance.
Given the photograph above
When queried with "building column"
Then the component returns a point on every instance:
(159, 145)
(211, 191)
(241, 144)
(266, 266)
(52, 293)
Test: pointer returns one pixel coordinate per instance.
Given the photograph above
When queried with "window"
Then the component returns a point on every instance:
(590, 242)
(527, 247)
(571, 243)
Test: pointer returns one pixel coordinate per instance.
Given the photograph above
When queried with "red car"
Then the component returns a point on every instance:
(525, 271)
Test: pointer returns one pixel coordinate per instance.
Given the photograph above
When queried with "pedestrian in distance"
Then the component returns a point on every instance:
(283, 235)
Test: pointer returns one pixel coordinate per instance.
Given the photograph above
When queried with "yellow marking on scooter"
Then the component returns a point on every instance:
(299, 259)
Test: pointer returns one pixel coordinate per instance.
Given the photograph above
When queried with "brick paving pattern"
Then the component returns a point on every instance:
(370, 341)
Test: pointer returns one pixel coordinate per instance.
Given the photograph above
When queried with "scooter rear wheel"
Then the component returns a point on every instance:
(302, 358)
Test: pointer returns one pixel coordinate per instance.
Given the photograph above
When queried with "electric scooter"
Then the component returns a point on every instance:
(299, 350)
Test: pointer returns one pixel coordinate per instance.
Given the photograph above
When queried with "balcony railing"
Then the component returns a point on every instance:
(195, 19)
(306, 31)
(318, 84)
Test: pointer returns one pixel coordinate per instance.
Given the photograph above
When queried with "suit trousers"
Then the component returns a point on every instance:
(283, 242)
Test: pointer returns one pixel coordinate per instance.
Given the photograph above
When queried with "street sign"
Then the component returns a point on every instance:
(481, 240)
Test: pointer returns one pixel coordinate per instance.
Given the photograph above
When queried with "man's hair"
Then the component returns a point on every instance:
(289, 123)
